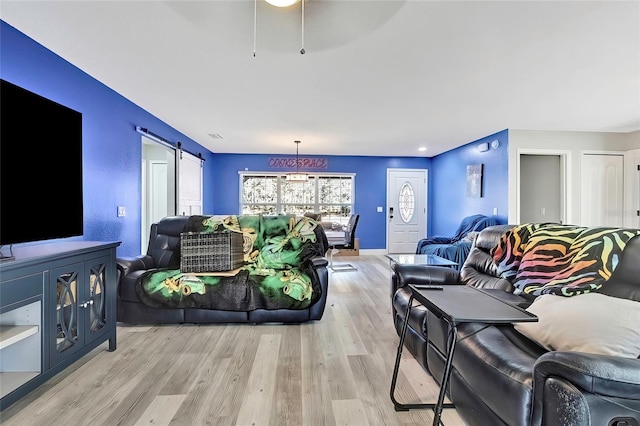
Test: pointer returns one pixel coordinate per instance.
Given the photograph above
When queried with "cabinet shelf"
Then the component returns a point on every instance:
(10, 334)
(12, 381)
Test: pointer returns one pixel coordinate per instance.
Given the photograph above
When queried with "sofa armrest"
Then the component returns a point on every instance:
(597, 374)
(127, 265)
(585, 389)
(319, 265)
(405, 274)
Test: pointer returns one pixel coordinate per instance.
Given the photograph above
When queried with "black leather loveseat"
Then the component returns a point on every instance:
(501, 377)
(164, 253)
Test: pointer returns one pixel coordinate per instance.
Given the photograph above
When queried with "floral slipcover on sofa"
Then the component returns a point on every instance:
(283, 278)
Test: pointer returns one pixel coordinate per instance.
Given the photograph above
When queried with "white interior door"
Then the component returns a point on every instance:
(158, 186)
(406, 209)
(189, 184)
(602, 192)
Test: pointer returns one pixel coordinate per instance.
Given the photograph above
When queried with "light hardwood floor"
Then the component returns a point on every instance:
(336, 371)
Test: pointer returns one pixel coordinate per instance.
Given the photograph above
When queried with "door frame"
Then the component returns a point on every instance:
(386, 201)
(565, 176)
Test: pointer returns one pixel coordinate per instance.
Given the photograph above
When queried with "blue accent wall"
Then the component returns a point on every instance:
(370, 186)
(447, 195)
(112, 152)
(112, 157)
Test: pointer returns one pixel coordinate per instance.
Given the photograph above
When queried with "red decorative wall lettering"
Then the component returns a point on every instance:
(306, 163)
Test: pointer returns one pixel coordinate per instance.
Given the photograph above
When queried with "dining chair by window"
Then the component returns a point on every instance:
(346, 243)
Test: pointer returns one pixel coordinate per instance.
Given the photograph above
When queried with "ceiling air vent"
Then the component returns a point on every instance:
(216, 135)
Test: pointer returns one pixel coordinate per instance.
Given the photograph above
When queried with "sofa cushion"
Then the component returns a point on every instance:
(497, 369)
(592, 322)
(479, 269)
(164, 241)
(625, 278)
(166, 250)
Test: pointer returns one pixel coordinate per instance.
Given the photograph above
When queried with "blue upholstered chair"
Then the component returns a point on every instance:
(457, 247)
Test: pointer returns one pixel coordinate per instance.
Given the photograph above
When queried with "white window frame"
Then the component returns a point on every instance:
(315, 205)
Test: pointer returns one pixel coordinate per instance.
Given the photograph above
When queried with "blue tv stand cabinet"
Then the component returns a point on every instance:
(57, 303)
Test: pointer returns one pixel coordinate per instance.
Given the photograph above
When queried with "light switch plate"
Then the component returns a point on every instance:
(121, 211)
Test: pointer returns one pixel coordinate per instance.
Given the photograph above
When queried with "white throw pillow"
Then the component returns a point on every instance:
(592, 322)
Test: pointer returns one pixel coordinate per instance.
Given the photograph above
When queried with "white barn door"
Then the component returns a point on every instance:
(189, 175)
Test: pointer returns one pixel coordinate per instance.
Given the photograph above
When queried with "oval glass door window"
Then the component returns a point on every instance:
(406, 202)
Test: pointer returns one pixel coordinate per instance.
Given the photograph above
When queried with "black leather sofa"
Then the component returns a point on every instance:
(500, 377)
(164, 252)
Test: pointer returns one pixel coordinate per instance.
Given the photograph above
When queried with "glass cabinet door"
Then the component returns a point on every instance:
(67, 311)
(94, 300)
(80, 315)
(66, 285)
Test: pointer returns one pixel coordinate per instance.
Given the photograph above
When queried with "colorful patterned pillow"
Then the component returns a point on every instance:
(563, 260)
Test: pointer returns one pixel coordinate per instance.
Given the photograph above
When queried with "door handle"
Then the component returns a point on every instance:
(390, 213)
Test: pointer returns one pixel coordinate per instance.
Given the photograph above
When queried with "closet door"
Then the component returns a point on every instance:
(189, 172)
(632, 188)
(602, 190)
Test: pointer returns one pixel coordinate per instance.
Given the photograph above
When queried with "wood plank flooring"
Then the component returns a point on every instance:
(336, 371)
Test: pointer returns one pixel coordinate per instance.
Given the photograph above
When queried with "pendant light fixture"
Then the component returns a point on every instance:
(297, 176)
(282, 3)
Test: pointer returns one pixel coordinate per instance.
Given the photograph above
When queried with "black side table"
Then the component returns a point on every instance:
(456, 304)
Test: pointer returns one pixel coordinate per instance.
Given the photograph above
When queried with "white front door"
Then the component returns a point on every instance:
(602, 190)
(406, 209)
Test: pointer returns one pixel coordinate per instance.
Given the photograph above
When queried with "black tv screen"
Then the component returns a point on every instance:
(40, 168)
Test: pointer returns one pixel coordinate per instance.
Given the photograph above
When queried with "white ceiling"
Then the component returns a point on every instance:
(378, 77)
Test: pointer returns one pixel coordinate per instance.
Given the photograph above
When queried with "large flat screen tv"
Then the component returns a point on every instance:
(40, 168)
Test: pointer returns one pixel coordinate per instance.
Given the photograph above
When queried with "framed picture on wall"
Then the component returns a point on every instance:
(474, 180)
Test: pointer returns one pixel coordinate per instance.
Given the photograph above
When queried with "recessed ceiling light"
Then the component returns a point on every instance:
(422, 148)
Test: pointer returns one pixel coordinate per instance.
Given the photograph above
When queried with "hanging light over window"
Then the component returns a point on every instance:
(297, 176)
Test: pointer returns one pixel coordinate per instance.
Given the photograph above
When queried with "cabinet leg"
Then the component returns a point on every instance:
(112, 343)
